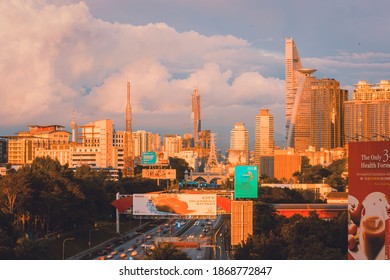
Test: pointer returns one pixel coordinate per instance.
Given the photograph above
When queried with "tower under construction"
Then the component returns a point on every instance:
(128, 166)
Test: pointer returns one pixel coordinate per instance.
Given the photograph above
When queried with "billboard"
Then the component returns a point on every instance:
(368, 200)
(175, 204)
(159, 173)
(154, 158)
(245, 181)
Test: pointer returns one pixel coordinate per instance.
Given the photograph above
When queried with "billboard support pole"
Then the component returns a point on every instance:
(117, 215)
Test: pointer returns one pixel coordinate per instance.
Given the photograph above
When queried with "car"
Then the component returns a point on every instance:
(130, 249)
(148, 237)
(109, 256)
(114, 253)
(134, 253)
(123, 255)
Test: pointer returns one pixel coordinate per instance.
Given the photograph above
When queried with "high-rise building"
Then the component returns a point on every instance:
(367, 116)
(292, 64)
(140, 139)
(172, 144)
(264, 135)
(301, 119)
(239, 144)
(95, 145)
(196, 114)
(327, 116)
(314, 108)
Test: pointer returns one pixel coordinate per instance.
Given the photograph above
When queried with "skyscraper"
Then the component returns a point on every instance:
(239, 144)
(327, 101)
(196, 115)
(301, 118)
(367, 116)
(314, 108)
(292, 64)
(264, 135)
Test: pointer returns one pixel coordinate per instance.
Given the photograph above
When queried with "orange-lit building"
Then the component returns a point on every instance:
(27, 145)
(286, 162)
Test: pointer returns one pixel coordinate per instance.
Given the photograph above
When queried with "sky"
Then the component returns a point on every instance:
(60, 56)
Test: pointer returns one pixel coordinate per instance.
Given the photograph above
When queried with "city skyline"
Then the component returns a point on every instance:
(64, 55)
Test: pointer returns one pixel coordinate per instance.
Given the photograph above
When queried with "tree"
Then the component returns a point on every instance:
(180, 165)
(167, 251)
(8, 236)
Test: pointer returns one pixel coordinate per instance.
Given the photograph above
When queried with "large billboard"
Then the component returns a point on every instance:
(154, 158)
(245, 181)
(159, 173)
(175, 204)
(368, 200)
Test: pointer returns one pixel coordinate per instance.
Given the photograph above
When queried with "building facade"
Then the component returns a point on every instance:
(292, 65)
(367, 114)
(264, 135)
(239, 144)
(22, 148)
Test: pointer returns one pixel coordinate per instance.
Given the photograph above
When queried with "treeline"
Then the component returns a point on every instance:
(315, 174)
(46, 198)
(276, 237)
(286, 195)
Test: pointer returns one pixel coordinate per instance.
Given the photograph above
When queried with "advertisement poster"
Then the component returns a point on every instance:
(245, 181)
(368, 200)
(154, 158)
(159, 173)
(175, 204)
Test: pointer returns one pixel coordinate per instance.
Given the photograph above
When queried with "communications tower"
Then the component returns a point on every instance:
(128, 166)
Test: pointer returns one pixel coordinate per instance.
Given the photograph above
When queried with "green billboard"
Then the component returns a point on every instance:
(245, 181)
(149, 158)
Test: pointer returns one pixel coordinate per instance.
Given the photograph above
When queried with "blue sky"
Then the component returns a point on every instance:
(65, 55)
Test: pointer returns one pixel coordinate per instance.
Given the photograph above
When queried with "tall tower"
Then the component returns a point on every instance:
(212, 162)
(128, 167)
(73, 126)
(196, 115)
(264, 135)
(292, 63)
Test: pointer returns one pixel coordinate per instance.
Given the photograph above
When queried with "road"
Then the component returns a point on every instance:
(207, 236)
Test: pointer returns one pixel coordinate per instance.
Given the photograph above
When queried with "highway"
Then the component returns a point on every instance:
(200, 235)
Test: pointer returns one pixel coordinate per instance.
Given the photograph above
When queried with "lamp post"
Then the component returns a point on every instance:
(89, 238)
(63, 246)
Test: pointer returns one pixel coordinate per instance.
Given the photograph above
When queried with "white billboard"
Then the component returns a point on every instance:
(159, 173)
(175, 204)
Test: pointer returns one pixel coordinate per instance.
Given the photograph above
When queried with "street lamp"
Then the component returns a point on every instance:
(63, 246)
(89, 239)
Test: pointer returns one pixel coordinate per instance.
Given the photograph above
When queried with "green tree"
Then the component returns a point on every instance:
(167, 251)
(180, 165)
(8, 236)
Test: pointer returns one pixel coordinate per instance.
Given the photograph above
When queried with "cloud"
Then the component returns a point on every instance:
(59, 57)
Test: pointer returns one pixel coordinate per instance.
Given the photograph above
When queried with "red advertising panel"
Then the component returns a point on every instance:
(368, 200)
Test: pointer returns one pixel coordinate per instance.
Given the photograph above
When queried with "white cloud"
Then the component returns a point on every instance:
(57, 58)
